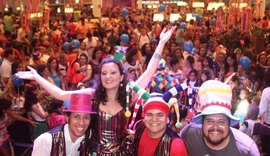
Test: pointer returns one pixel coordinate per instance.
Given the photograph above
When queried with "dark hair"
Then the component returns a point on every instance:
(233, 56)
(41, 68)
(83, 54)
(207, 73)
(143, 49)
(49, 61)
(100, 93)
(14, 67)
(174, 61)
(193, 71)
(82, 20)
(146, 54)
(130, 53)
(55, 105)
(210, 62)
(89, 34)
(8, 52)
(95, 52)
(190, 59)
(30, 99)
(4, 105)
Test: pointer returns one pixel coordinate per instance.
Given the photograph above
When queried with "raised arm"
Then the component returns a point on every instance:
(144, 79)
(50, 88)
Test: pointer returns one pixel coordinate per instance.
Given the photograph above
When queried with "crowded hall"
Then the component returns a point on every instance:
(134, 78)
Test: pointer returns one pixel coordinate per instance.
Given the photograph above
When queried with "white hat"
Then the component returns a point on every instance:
(215, 98)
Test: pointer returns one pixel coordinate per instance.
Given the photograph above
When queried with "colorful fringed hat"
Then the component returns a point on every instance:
(215, 98)
(120, 53)
(155, 100)
(161, 81)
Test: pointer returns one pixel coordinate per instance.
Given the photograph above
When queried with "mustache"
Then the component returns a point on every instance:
(215, 130)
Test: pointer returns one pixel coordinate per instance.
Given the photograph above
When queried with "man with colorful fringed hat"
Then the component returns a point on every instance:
(153, 136)
(211, 134)
(65, 140)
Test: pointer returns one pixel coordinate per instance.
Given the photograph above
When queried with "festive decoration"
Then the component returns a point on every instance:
(173, 102)
(188, 46)
(137, 89)
(66, 46)
(162, 8)
(161, 81)
(245, 62)
(17, 81)
(124, 12)
(120, 53)
(75, 43)
(198, 17)
(124, 38)
(135, 111)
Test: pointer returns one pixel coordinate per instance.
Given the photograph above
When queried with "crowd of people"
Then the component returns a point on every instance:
(71, 79)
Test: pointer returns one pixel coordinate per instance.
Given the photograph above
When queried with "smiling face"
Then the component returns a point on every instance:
(216, 131)
(156, 121)
(110, 76)
(77, 124)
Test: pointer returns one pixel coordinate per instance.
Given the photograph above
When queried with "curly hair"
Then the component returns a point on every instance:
(100, 93)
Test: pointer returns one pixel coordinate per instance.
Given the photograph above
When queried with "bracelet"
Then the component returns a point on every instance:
(157, 56)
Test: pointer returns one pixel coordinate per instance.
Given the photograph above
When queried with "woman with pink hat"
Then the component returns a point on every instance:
(109, 128)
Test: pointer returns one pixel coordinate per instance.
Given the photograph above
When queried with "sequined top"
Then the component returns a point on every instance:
(109, 136)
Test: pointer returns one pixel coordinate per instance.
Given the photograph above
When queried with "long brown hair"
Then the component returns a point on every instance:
(100, 93)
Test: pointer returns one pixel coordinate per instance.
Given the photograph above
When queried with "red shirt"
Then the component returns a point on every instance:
(148, 145)
(71, 28)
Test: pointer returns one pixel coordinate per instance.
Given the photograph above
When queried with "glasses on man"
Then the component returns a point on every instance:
(219, 123)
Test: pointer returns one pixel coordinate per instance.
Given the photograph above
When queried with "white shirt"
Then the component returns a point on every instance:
(92, 44)
(5, 70)
(43, 144)
(265, 104)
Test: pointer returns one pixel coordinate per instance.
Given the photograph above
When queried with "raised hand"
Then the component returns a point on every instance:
(165, 35)
(29, 75)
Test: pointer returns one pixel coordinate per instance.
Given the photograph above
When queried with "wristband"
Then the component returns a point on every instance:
(157, 56)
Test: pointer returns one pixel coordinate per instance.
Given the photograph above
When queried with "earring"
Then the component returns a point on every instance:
(121, 84)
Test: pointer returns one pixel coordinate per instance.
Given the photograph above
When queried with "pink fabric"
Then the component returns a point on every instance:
(56, 120)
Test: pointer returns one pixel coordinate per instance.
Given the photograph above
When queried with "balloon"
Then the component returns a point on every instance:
(124, 38)
(199, 17)
(124, 12)
(162, 8)
(182, 25)
(16, 81)
(76, 43)
(244, 62)
(188, 46)
(66, 45)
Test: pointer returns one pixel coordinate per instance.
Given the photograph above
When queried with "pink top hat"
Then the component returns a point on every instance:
(80, 103)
